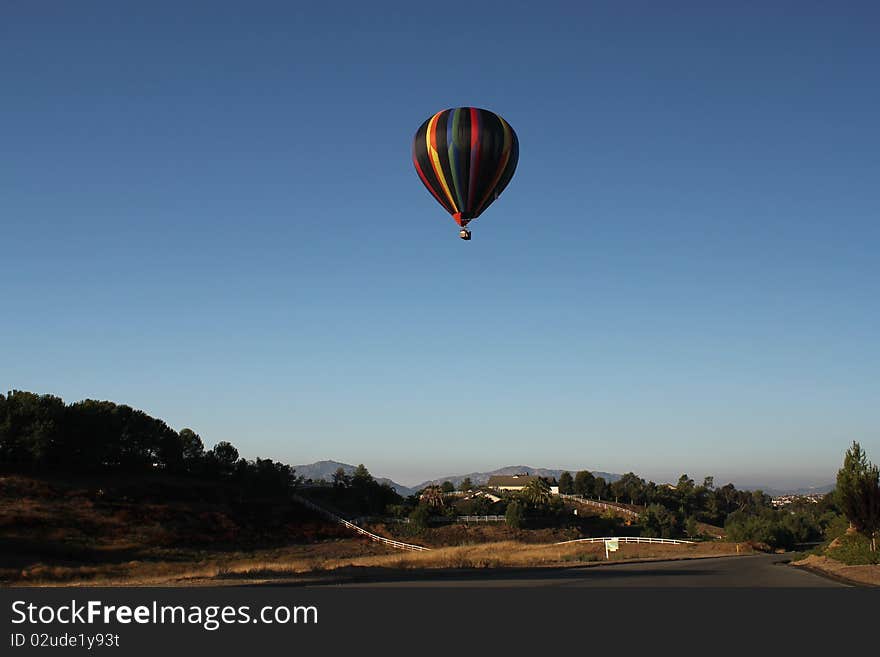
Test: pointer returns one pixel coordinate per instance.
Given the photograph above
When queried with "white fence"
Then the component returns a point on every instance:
(628, 539)
(608, 506)
(480, 518)
(433, 519)
(359, 530)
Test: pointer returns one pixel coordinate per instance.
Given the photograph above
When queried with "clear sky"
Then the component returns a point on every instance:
(209, 212)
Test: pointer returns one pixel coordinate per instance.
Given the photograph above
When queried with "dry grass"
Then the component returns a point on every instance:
(180, 569)
(123, 531)
(317, 560)
(869, 575)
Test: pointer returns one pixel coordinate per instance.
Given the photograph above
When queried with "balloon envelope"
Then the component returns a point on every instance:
(465, 156)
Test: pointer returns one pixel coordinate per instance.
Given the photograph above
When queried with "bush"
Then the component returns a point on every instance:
(853, 550)
(836, 528)
(515, 515)
(659, 522)
(420, 517)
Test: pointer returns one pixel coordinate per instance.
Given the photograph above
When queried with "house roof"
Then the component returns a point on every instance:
(511, 480)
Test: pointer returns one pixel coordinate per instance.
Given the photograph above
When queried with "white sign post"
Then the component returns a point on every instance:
(611, 545)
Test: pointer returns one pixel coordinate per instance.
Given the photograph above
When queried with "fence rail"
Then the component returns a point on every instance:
(434, 519)
(608, 506)
(494, 518)
(360, 530)
(628, 539)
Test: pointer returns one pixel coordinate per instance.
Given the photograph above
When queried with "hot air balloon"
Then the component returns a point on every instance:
(465, 156)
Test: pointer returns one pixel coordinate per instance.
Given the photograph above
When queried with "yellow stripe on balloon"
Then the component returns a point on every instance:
(435, 160)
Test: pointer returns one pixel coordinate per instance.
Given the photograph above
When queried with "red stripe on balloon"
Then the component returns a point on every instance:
(475, 157)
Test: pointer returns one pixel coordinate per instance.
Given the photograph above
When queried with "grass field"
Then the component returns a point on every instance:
(345, 555)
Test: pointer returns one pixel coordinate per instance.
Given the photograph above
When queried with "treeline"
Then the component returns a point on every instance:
(42, 434)
(703, 502)
(355, 494)
(682, 510)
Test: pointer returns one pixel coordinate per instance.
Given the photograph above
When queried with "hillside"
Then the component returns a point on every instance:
(101, 522)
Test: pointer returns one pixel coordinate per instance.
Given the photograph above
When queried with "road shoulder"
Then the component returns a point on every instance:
(864, 576)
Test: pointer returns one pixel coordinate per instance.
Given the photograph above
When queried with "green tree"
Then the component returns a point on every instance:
(192, 445)
(566, 483)
(225, 453)
(361, 477)
(618, 489)
(600, 488)
(659, 522)
(341, 479)
(537, 492)
(420, 517)
(466, 484)
(858, 493)
(766, 526)
(433, 497)
(635, 488)
(447, 487)
(515, 516)
(584, 483)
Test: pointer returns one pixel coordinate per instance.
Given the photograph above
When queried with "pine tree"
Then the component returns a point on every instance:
(858, 493)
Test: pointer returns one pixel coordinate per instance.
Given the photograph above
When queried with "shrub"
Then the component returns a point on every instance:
(515, 515)
(853, 550)
(420, 517)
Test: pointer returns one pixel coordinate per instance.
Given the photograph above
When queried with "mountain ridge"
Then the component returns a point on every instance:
(323, 470)
(481, 478)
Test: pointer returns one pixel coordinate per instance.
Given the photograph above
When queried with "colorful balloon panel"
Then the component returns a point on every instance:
(465, 156)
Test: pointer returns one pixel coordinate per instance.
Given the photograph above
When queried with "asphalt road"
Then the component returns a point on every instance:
(749, 571)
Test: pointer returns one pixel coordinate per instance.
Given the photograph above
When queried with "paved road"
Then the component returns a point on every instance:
(750, 571)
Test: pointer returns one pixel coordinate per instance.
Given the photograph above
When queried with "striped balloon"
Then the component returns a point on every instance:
(465, 157)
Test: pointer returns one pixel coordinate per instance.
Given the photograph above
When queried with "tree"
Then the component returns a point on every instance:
(537, 491)
(31, 429)
(618, 489)
(432, 496)
(447, 487)
(687, 493)
(566, 483)
(584, 483)
(225, 453)
(631, 487)
(515, 515)
(600, 488)
(858, 493)
(341, 479)
(192, 445)
(466, 484)
(420, 517)
(659, 522)
(691, 527)
(361, 477)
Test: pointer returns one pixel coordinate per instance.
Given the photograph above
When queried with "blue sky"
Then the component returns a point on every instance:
(208, 211)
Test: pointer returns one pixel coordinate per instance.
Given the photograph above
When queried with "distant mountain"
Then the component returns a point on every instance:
(480, 478)
(325, 469)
